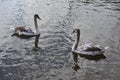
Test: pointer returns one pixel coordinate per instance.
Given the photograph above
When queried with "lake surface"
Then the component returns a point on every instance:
(98, 20)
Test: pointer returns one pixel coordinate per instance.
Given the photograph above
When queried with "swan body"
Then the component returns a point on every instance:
(87, 49)
(26, 32)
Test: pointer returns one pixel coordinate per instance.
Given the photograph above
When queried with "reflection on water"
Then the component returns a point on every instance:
(76, 67)
(98, 21)
(89, 57)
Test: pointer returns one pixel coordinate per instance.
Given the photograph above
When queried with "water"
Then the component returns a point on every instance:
(99, 22)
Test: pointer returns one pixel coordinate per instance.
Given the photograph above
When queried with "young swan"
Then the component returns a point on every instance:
(86, 49)
(26, 32)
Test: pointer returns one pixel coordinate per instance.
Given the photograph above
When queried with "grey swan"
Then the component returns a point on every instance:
(86, 49)
(26, 32)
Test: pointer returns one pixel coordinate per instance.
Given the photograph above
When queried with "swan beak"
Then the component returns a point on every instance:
(39, 18)
(73, 32)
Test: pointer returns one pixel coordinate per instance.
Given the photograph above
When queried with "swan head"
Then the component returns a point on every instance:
(76, 31)
(37, 16)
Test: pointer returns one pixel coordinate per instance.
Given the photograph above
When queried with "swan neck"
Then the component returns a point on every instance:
(36, 25)
(75, 46)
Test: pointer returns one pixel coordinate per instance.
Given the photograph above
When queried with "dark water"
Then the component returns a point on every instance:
(99, 21)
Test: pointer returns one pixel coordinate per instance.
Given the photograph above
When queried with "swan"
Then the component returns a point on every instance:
(86, 49)
(26, 32)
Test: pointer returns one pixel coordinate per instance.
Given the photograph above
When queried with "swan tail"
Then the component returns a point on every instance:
(103, 50)
(106, 48)
(13, 29)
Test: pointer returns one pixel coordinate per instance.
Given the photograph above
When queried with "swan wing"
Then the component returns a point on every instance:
(28, 29)
(26, 33)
